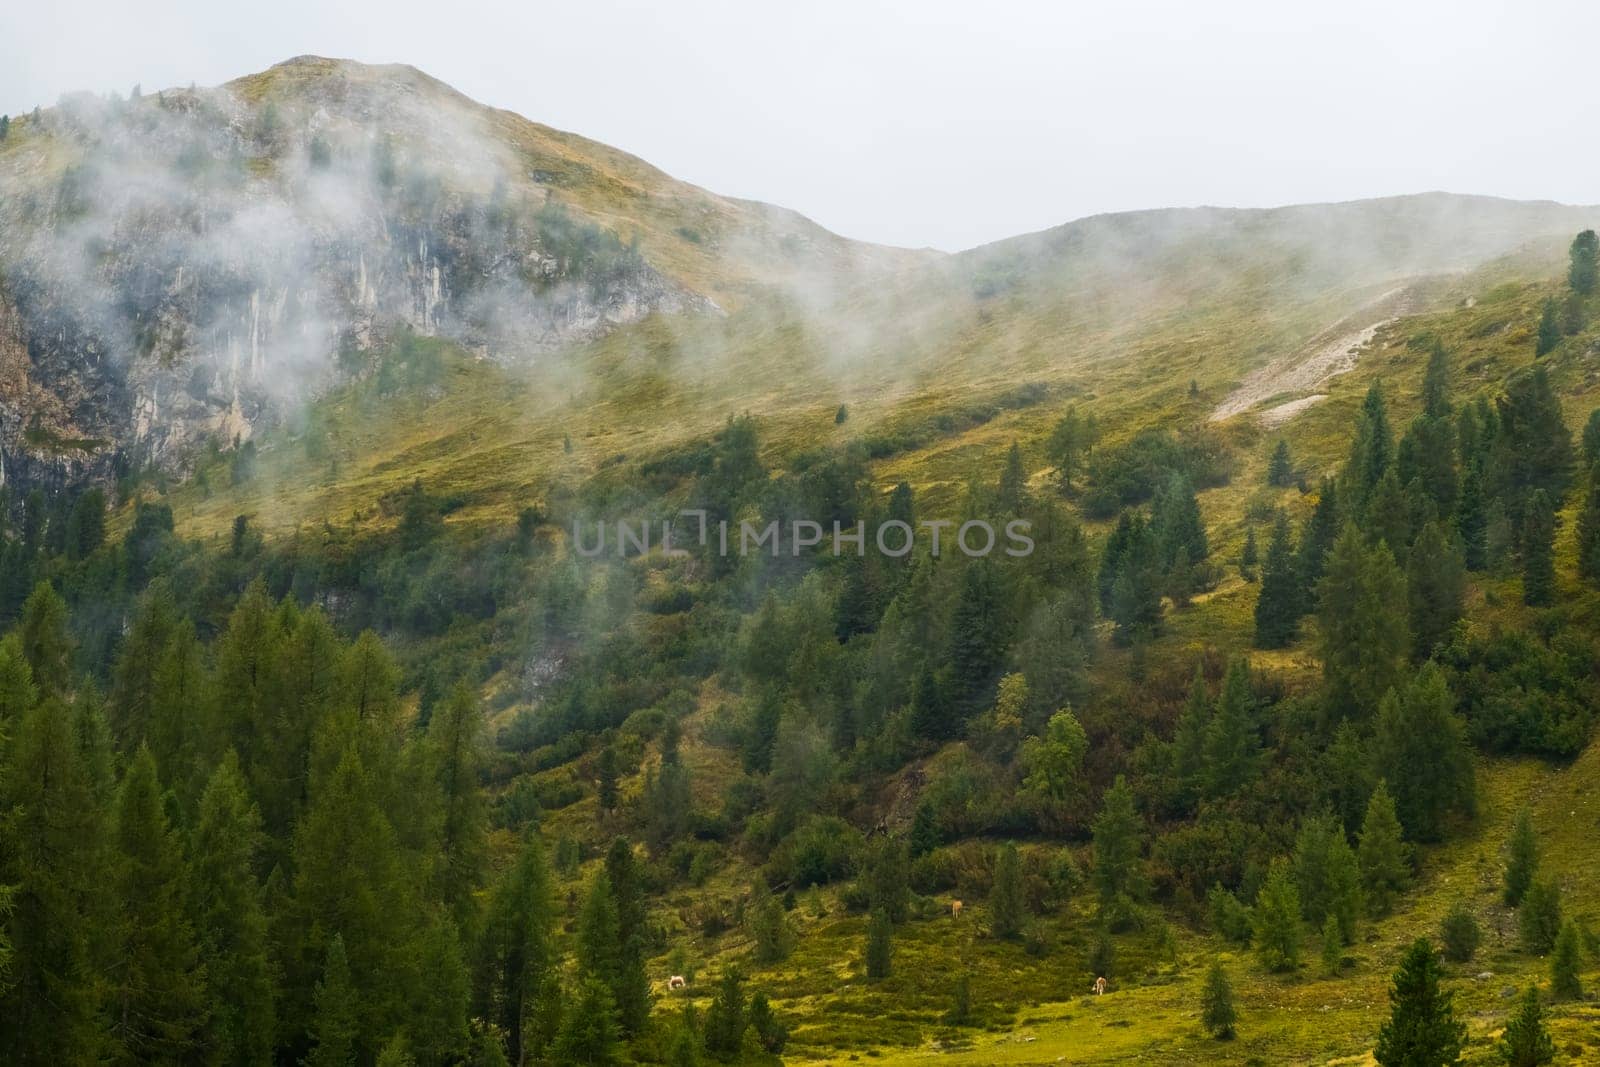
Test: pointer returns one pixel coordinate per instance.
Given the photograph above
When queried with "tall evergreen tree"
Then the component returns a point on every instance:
(1472, 521)
(1422, 1030)
(455, 734)
(518, 952)
(1365, 642)
(45, 640)
(1435, 586)
(1565, 962)
(1526, 1041)
(1278, 607)
(1189, 739)
(980, 628)
(1381, 852)
(157, 995)
(1539, 917)
(1417, 727)
(1549, 332)
(1522, 857)
(1233, 737)
(1280, 468)
(1589, 530)
(726, 1019)
(1371, 452)
(589, 1033)
(229, 920)
(1532, 448)
(1585, 263)
(1277, 919)
(1316, 541)
(1118, 840)
(880, 946)
(1327, 875)
(1008, 907)
(1538, 551)
(631, 988)
(334, 1028)
(1217, 1013)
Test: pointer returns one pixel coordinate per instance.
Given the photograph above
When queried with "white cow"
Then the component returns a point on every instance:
(677, 981)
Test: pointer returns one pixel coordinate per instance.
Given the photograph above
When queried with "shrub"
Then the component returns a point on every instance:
(1460, 934)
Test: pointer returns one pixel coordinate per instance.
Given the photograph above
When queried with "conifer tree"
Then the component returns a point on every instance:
(1332, 946)
(1565, 962)
(886, 877)
(1422, 1030)
(1459, 933)
(157, 995)
(45, 641)
(1217, 1013)
(1277, 919)
(1278, 607)
(1370, 453)
(631, 988)
(1365, 642)
(1585, 263)
(1522, 857)
(770, 929)
(1381, 852)
(1589, 530)
(1549, 332)
(1068, 443)
(980, 628)
(1118, 841)
(1316, 541)
(1189, 739)
(334, 1028)
(1233, 748)
(1249, 555)
(1417, 727)
(1435, 586)
(1526, 1042)
(17, 691)
(230, 923)
(589, 1032)
(518, 953)
(1472, 521)
(1008, 908)
(1538, 551)
(1388, 516)
(1280, 468)
(770, 1031)
(1327, 875)
(880, 947)
(456, 736)
(1532, 448)
(726, 1019)
(1175, 520)
(1539, 917)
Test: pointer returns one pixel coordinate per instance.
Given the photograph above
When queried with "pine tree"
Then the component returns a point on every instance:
(1332, 947)
(157, 996)
(518, 952)
(1217, 1013)
(1280, 468)
(1549, 333)
(1189, 739)
(455, 734)
(1526, 1042)
(589, 1031)
(1175, 520)
(45, 641)
(1522, 857)
(726, 1019)
(1130, 579)
(54, 863)
(1370, 453)
(1417, 727)
(1585, 253)
(1565, 962)
(1316, 541)
(631, 988)
(1278, 607)
(1118, 840)
(1381, 852)
(334, 1029)
(1435, 586)
(1422, 1030)
(1008, 908)
(230, 922)
(1472, 521)
(880, 947)
(1277, 920)
(1589, 530)
(1538, 551)
(1233, 748)
(770, 1031)
(1365, 642)
(1249, 555)
(1532, 447)
(1460, 934)
(980, 628)
(1539, 917)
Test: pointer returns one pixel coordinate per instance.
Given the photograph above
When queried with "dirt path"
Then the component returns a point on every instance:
(1330, 354)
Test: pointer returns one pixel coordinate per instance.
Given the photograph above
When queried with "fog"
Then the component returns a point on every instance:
(938, 123)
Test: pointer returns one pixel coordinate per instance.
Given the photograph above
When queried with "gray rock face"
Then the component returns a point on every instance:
(187, 266)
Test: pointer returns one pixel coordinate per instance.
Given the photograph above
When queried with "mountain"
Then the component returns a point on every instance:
(191, 265)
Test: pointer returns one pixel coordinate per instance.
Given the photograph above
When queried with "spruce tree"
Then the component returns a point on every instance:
(1332, 946)
(589, 1032)
(980, 628)
(1565, 962)
(455, 734)
(1472, 521)
(1417, 727)
(1233, 749)
(334, 1029)
(1589, 530)
(1008, 908)
(1277, 919)
(1435, 586)
(1422, 1030)
(1371, 452)
(45, 641)
(1365, 640)
(1522, 857)
(1538, 551)
(1591, 439)
(1217, 1013)
(1327, 874)
(886, 877)
(1278, 606)
(770, 1031)
(880, 948)
(1249, 555)
(1584, 268)
(1549, 332)
(1189, 740)
(726, 1019)
(1280, 468)
(1532, 447)
(1118, 833)
(518, 952)
(1316, 541)
(157, 995)
(1539, 917)
(1381, 852)
(230, 922)
(1526, 1042)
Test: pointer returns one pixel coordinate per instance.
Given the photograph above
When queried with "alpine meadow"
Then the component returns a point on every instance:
(1172, 637)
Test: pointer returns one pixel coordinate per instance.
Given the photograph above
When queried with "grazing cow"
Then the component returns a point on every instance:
(955, 909)
(677, 981)
(1099, 986)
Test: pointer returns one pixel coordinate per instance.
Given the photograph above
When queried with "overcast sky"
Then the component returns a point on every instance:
(937, 123)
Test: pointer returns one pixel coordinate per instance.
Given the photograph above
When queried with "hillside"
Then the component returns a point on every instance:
(324, 738)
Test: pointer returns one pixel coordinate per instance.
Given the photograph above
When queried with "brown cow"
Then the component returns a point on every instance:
(1099, 986)
(955, 909)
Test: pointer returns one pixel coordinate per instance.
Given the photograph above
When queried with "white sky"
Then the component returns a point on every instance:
(929, 122)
